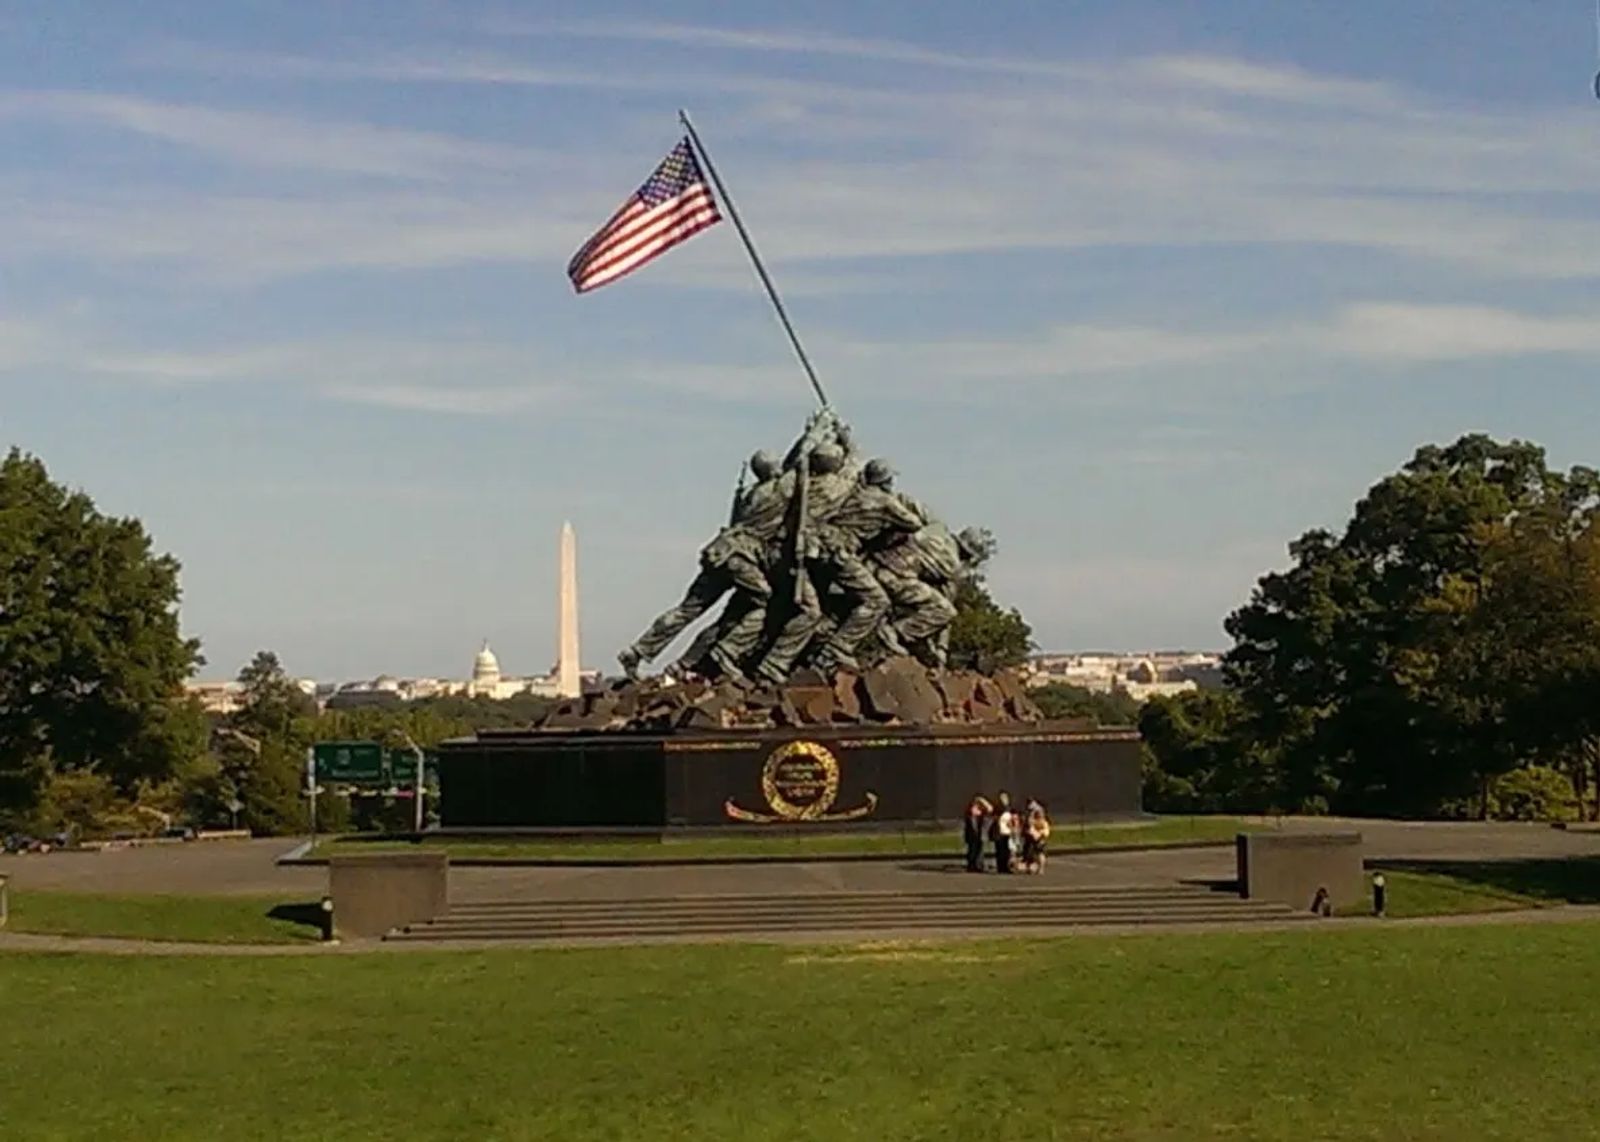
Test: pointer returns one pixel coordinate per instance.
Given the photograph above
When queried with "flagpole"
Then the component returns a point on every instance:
(755, 258)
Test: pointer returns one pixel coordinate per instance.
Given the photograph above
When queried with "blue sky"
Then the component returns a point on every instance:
(1147, 288)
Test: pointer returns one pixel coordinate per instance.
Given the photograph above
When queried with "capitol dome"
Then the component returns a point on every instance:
(486, 667)
(1144, 672)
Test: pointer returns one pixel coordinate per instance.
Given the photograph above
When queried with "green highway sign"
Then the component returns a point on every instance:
(353, 762)
(403, 765)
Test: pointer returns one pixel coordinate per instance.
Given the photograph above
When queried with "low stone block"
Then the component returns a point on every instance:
(956, 687)
(846, 702)
(899, 691)
(1291, 867)
(697, 717)
(373, 894)
(813, 704)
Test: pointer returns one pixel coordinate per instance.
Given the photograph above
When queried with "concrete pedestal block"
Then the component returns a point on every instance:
(374, 894)
(1291, 867)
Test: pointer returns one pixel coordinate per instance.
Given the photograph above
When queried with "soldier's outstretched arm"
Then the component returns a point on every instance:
(820, 428)
(905, 515)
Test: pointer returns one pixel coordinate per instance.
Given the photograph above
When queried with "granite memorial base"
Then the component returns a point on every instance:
(1291, 867)
(374, 894)
(815, 777)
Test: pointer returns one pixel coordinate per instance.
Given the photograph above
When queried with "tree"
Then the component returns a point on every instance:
(1204, 757)
(267, 777)
(91, 656)
(271, 701)
(1059, 700)
(1392, 668)
(1544, 575)
(984, 636)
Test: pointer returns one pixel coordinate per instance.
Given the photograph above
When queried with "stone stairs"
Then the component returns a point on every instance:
(1013, 907)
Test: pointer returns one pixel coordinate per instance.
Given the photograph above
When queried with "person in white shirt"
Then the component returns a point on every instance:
(1003, 831)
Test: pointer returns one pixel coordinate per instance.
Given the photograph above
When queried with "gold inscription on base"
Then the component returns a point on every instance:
(800, 781)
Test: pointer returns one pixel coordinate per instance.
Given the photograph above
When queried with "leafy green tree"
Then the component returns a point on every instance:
(91, 655)
(1392, 668)
(1546, 572)
(1204, 756)
(1101, 708)
(82, 803)
(985, 636)
(262, 764)
(272, 702)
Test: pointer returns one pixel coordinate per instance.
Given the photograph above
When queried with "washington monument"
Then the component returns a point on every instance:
(568, 683)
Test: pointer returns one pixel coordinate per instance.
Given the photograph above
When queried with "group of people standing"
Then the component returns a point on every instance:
(1008, 831)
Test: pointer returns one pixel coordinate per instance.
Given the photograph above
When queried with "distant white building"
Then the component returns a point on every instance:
(486, 681)
(226, 697)
(489, 682)
(216, 697)
(1140, 676)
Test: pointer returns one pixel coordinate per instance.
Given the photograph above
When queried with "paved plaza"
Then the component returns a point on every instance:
(250, 867)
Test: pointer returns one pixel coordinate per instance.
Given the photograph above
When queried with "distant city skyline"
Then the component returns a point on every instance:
(544, 682)
(1148, 289)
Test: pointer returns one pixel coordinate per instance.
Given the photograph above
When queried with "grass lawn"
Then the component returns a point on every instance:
(1436, 894)
(1420, 1033)
(1437, 888)
(1167, 831)
(202, 919)
(1418, 890)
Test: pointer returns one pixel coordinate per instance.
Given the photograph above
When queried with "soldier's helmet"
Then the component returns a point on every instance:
(826, 460)
(878, 473)
(764, 465)
(972, 543)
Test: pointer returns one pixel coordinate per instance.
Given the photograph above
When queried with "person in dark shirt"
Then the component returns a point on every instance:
(977, 814)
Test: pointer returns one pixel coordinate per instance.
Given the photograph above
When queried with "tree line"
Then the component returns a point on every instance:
(97, 735)
(1439, 656)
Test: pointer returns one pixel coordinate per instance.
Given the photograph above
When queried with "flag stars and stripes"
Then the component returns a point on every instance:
(672, 206)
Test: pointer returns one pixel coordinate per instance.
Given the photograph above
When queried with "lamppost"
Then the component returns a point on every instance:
(406, 740)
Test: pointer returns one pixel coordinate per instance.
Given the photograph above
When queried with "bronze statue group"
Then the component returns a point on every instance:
(1008, 832)
(824, 565)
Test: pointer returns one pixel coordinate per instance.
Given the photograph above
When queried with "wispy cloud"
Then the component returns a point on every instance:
(490, 378)
(1402, 332)
(458, 66)
(251, 238)
(768, 40)
(1154, 152)
(470, 400)
(1277, 83)
(1211, 73)
(419, 375)
(253, 138)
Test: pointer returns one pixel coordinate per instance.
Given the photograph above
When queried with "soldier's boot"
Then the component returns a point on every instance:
(726, 663)
(769, 672)
(630, 658)
(890, 638)
(831, 660)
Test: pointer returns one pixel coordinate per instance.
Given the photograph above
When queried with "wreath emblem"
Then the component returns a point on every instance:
(800, 782)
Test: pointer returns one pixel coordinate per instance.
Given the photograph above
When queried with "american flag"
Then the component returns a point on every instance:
(672, 206)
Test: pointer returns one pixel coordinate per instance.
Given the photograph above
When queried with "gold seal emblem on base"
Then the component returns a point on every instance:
(800, 782)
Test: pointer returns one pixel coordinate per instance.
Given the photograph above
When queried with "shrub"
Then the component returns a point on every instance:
(1533, 793)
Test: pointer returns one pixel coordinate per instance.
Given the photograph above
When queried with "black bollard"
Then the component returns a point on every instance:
(1379, 894)
(325, 913)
